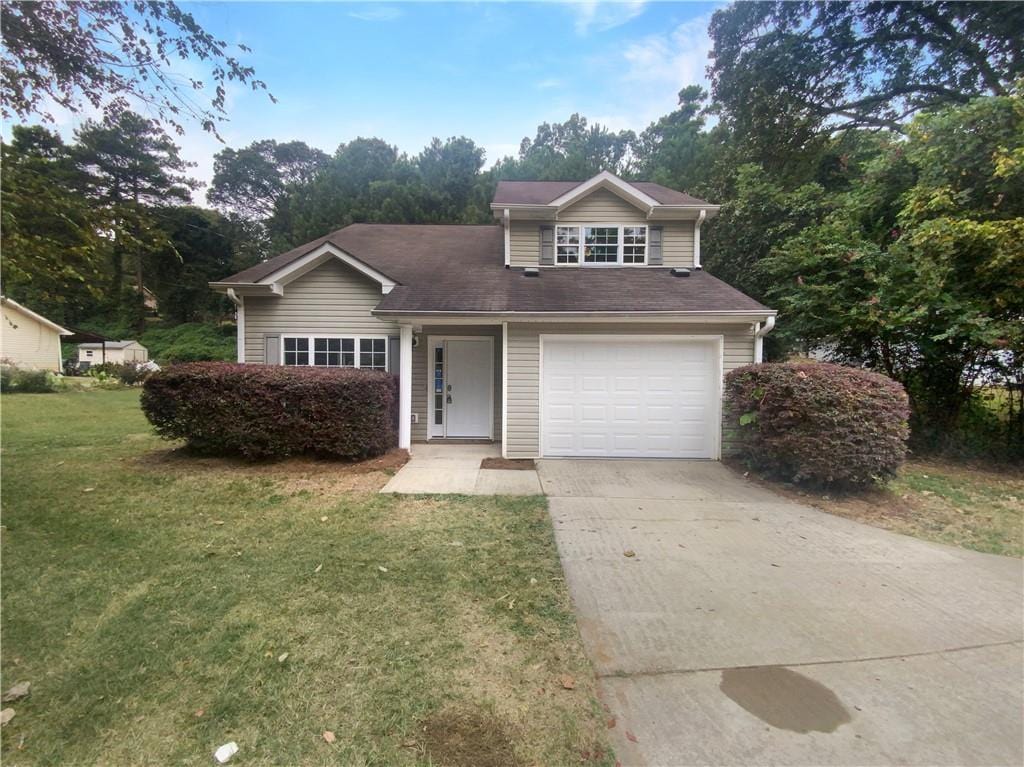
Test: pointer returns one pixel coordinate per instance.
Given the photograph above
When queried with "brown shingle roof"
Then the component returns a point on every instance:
(403, 252)
(544, 192)
(571, 289)
(461, 269)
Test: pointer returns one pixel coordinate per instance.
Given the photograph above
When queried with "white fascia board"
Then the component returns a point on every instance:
(248, 288)
(37, 317)
(606, 180)
(685, 212)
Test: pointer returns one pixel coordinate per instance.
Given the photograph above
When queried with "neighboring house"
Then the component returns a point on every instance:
(28, 339)
(581, 326)
(111, 351)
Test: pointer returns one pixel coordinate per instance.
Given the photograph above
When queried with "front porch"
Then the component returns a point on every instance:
(454, 395)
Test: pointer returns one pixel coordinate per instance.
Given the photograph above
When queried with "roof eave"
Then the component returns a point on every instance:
(733, 314)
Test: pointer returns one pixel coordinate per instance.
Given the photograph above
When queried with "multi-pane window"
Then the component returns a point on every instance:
(634, 244)
(296, 351)
(600, 244)
(336, 352)
(373, 353)
(567, 245)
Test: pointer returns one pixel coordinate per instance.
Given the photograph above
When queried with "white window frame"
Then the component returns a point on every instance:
(620, 250)
(578, 245)
(357, 339)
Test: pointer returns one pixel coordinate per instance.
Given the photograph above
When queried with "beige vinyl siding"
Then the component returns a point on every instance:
(27, 342)
(601, 207)
(524, 368)
(524, 242)
(333, 298)
(420, 377)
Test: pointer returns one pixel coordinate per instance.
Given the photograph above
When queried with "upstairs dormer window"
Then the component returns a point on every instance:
(567, 245)
(601, 244)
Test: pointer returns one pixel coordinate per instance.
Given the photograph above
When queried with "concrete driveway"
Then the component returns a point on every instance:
(747, 629)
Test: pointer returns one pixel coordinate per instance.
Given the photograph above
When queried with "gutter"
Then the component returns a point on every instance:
(760, 331)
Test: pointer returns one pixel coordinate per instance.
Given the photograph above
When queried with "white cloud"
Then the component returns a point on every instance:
(602, 15)
(377, 13)
(548, 83)
(654, 69)
(498, 151)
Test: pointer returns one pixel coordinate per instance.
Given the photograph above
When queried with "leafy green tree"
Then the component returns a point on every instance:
(199, 251)
(674, 150)
(250, 181)
(109, 55)
(130, 168)
(757, 218)
(933, 295)
(573, 150)
(450, 171)
(787, 73)
(54, 253)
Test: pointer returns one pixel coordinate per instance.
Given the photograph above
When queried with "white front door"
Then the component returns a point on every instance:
(468, 386)
(629, 398)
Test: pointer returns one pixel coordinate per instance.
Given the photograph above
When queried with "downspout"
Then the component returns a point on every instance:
(507, 221)
(760, 331)
(696, 239)
(239, 323)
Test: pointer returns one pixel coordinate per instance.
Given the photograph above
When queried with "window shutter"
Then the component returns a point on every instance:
(394, 355)
(547, 245)
(654, 245)
(272, 350)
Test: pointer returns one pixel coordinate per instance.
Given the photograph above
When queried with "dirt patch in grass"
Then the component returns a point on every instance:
(463, 738)
(956, 503)
(178, 458)
(316, 476)
(515, 464)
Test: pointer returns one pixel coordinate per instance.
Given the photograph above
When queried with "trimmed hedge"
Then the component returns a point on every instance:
(264, 411)
(819, 423)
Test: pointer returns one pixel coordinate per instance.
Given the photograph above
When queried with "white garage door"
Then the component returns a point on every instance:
(629, 398)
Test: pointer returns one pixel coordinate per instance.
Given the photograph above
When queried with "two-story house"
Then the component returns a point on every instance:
(582, 325)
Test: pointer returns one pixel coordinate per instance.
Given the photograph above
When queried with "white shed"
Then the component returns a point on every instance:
(29, 340)
(112, 351)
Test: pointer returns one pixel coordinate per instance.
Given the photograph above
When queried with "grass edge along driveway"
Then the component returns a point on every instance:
(163, 605)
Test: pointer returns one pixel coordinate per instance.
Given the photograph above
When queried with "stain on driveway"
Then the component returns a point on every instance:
(750, 629)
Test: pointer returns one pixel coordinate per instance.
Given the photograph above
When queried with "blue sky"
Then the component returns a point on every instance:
(406, 72)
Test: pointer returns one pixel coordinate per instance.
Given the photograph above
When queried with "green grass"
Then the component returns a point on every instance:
(966, 505)
(958, 503)
(148, 597)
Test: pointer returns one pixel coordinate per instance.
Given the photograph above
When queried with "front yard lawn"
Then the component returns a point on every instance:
(960, 504)
(163, 605)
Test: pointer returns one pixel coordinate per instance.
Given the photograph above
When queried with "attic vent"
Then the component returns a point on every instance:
(680, 272)
(531, 271)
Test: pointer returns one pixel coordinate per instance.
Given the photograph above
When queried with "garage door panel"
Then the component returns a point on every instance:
(662, 408)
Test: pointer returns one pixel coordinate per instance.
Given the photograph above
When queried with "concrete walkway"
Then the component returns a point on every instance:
(448, 469)
(729, 626)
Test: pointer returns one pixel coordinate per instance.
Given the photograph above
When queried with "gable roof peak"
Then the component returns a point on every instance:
(559, 194)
